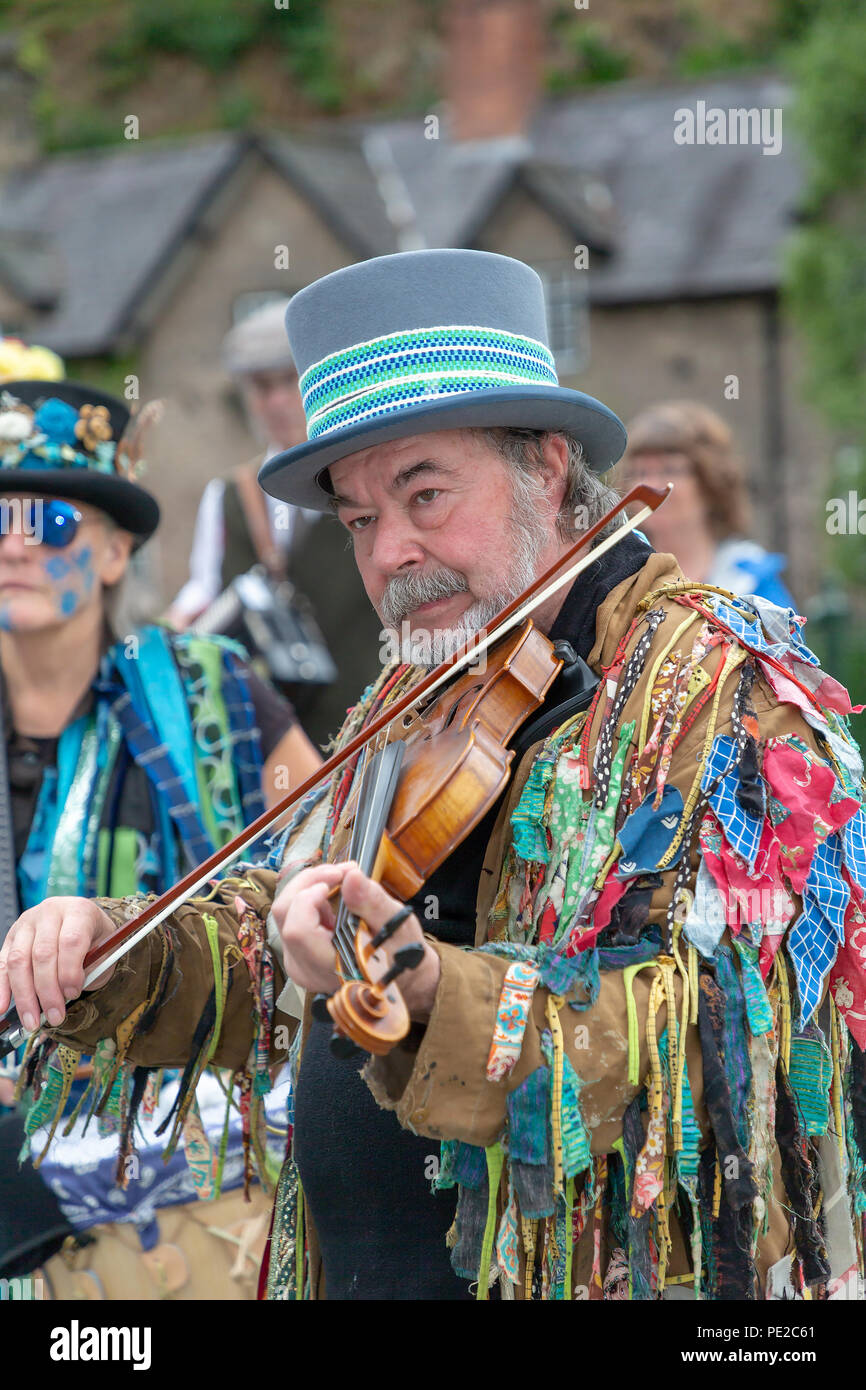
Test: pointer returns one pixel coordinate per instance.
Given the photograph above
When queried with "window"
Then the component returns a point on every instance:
(567, 309)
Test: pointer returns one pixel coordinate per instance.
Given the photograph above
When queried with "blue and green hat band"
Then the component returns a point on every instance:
(384, 374)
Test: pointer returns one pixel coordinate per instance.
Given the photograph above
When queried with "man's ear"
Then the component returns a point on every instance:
(554, 461)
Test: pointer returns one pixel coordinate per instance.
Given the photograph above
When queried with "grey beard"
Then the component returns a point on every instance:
(404, 593)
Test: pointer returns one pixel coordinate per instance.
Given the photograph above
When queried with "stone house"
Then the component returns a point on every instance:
(661, 261)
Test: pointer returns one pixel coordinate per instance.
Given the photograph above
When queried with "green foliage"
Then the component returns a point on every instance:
(590, 57)
(238, 109)
(105, 373)
(217, 35)
(829, 70)
(825, 273)
(310, 45)
(826, 287)
(66, 127)
(826, 267)
(213, 34)
(720, 54)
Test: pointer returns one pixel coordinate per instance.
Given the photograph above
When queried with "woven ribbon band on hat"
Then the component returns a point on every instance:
(424, 364)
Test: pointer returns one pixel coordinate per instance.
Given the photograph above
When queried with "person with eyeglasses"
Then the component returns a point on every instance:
(706, 521)
(129, 758)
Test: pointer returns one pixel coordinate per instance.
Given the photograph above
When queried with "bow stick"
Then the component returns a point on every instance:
(566, 568)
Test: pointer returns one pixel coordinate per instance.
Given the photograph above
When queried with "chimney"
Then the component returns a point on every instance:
(493, 61)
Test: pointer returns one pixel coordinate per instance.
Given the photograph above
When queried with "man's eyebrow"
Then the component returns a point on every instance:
(415, 470)
(400, 480)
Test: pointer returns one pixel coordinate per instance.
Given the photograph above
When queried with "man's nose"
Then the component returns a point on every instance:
(395, 545)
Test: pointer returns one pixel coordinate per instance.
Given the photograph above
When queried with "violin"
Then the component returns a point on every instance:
(438, 771)
(419, 798)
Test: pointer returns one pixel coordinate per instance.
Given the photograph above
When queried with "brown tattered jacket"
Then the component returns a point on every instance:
(436, 1081)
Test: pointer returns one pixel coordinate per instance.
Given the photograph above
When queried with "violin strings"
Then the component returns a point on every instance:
(341, 940)
(343, 931)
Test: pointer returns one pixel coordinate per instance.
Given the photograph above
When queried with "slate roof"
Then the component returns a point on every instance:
(672, 221)
(686, 220)
(31, 268)
(116, 217)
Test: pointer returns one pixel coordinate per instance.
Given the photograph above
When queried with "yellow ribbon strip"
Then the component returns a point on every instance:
(554, 1004)
(654, 670)
(299, 1248)
(569, 1237)
(529, 1230)
(835, 1037)
(784, 1011)
(628, 975)
(495, 1160)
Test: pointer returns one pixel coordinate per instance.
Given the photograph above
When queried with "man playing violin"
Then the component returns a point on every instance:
(635, 1064)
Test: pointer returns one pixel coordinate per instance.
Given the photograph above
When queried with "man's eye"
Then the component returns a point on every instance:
(427, 494)
(358, 523)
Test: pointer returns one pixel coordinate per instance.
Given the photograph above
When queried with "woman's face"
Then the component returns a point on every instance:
(684, 508)
(44, 586)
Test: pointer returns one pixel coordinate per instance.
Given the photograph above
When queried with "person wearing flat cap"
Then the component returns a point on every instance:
(639, 987)
(126, 759)
(239, 526)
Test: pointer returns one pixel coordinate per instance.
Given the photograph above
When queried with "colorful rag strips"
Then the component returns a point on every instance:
(772, 823)
(513, 1011)
(777, 910)
(179, 708)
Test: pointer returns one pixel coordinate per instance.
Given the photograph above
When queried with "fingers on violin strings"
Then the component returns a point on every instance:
(325, 905)
(369, 901)
(309, 909)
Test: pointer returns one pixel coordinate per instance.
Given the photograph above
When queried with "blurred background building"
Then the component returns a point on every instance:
(527, 127)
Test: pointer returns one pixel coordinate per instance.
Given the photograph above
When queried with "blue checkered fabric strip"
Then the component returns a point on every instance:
(155, 760)
(389, 373)
(812, 949)
(246, 752)
(816, 935)
(854, 848)
(825, 885)
(742, 831)
(743, 619)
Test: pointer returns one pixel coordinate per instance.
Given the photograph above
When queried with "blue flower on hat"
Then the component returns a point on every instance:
(57, 420)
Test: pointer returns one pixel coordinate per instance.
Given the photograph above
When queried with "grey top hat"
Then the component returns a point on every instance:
(422, 341)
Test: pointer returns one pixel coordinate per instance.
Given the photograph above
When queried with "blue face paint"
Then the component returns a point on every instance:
(5, 619)
(57, 567)
(72, 578)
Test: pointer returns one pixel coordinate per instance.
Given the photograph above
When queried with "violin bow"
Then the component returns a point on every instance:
(563, 570)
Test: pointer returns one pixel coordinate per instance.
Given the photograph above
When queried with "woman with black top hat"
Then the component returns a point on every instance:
(129, 758)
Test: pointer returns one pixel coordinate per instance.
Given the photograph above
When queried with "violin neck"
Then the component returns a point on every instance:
(379, 775)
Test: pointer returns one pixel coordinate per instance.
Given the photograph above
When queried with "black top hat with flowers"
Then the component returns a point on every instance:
(63, 439)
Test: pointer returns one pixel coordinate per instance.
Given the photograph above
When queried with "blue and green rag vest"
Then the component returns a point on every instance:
(178, 709)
